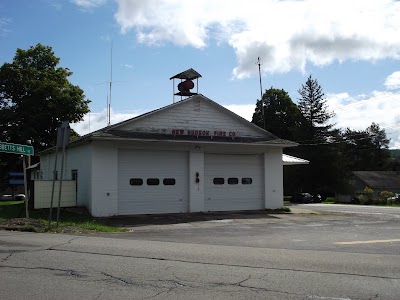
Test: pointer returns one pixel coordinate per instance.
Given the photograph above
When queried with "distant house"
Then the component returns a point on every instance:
(379, 181)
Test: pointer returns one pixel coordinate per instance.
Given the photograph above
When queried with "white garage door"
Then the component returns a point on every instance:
(233, 182)
(151, 182)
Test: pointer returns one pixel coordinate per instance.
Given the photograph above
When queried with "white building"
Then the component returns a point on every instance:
(190, 156)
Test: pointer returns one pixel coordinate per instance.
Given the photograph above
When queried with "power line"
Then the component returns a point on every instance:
(385, 94)
(371, 136)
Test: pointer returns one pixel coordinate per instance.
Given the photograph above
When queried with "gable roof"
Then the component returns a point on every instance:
(114, 131)
(379, 179)
(263, 136)
(239, 118)
(202, 97)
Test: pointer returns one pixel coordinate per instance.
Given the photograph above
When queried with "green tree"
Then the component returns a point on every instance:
(312, 104)
(282, 117)
(378, 136)
(36, 96)
(323, 174)
(365, 150)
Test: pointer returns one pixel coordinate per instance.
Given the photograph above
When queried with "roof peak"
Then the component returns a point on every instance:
(189, 74)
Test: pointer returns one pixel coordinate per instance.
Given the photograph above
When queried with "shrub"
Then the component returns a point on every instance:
(378, 201)
(368, 191)
(385, 194)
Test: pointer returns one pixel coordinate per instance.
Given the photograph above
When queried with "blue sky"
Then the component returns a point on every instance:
(351, 48)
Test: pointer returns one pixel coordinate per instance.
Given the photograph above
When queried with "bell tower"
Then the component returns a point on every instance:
(186, 83)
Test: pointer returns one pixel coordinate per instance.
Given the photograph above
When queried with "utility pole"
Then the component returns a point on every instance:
(25, 166)
(111, 69)
(261, 90)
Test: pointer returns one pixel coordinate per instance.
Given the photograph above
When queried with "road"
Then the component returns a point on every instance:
(318, 252)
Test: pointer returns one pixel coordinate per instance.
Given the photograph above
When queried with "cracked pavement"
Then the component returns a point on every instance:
(206, 263)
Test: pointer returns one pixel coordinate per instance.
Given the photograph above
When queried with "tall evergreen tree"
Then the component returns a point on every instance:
(312, 104)
(322, 174)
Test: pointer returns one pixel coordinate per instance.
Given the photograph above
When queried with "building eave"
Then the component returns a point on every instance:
(289, 160)
(260, 144)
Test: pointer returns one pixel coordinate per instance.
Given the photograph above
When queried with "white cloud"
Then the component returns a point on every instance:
(246, 111)
(393, 81)
(98, 120)
(56, 4)
(382, 108)
(89, 3)
(286, 35)
(4, 23)
(127, 66)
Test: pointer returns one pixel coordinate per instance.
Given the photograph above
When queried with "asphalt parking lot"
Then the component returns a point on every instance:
(308, 227)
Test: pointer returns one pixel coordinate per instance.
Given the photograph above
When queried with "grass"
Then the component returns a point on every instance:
(329, 200)
(382, 204)
(12, 209)
(69, 221)
(3, 203)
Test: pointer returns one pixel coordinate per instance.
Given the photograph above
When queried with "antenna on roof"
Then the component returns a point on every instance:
(261, 90)
(109, 98)
(109, 91)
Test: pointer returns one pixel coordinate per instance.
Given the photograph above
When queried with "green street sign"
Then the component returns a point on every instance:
(16, 148)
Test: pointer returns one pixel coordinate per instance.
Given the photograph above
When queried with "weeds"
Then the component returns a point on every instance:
(12, 216)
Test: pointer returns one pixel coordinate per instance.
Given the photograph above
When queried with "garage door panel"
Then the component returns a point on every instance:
(234, 196)
(150, 199)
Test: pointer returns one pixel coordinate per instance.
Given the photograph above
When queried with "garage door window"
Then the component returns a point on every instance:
(233, 180)
(136, 181)
(153, 181)
(169, 181)
(247, 180)
(219, 180)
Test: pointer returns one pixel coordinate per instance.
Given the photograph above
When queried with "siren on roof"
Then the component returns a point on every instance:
(186, 84)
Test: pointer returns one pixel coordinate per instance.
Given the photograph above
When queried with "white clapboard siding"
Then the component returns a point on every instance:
(78, 160)
(195, 114)
(233, 196)
(43, 191)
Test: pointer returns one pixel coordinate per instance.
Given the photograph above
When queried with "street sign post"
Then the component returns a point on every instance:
(26, 151)
(16, 148)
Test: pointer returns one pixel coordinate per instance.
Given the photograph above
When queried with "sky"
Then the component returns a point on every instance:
(352, 48)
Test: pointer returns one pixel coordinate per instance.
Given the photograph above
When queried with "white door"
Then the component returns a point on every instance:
(152, 182)
(233, 182)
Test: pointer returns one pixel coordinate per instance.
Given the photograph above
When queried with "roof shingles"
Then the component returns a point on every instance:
(379, 179)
